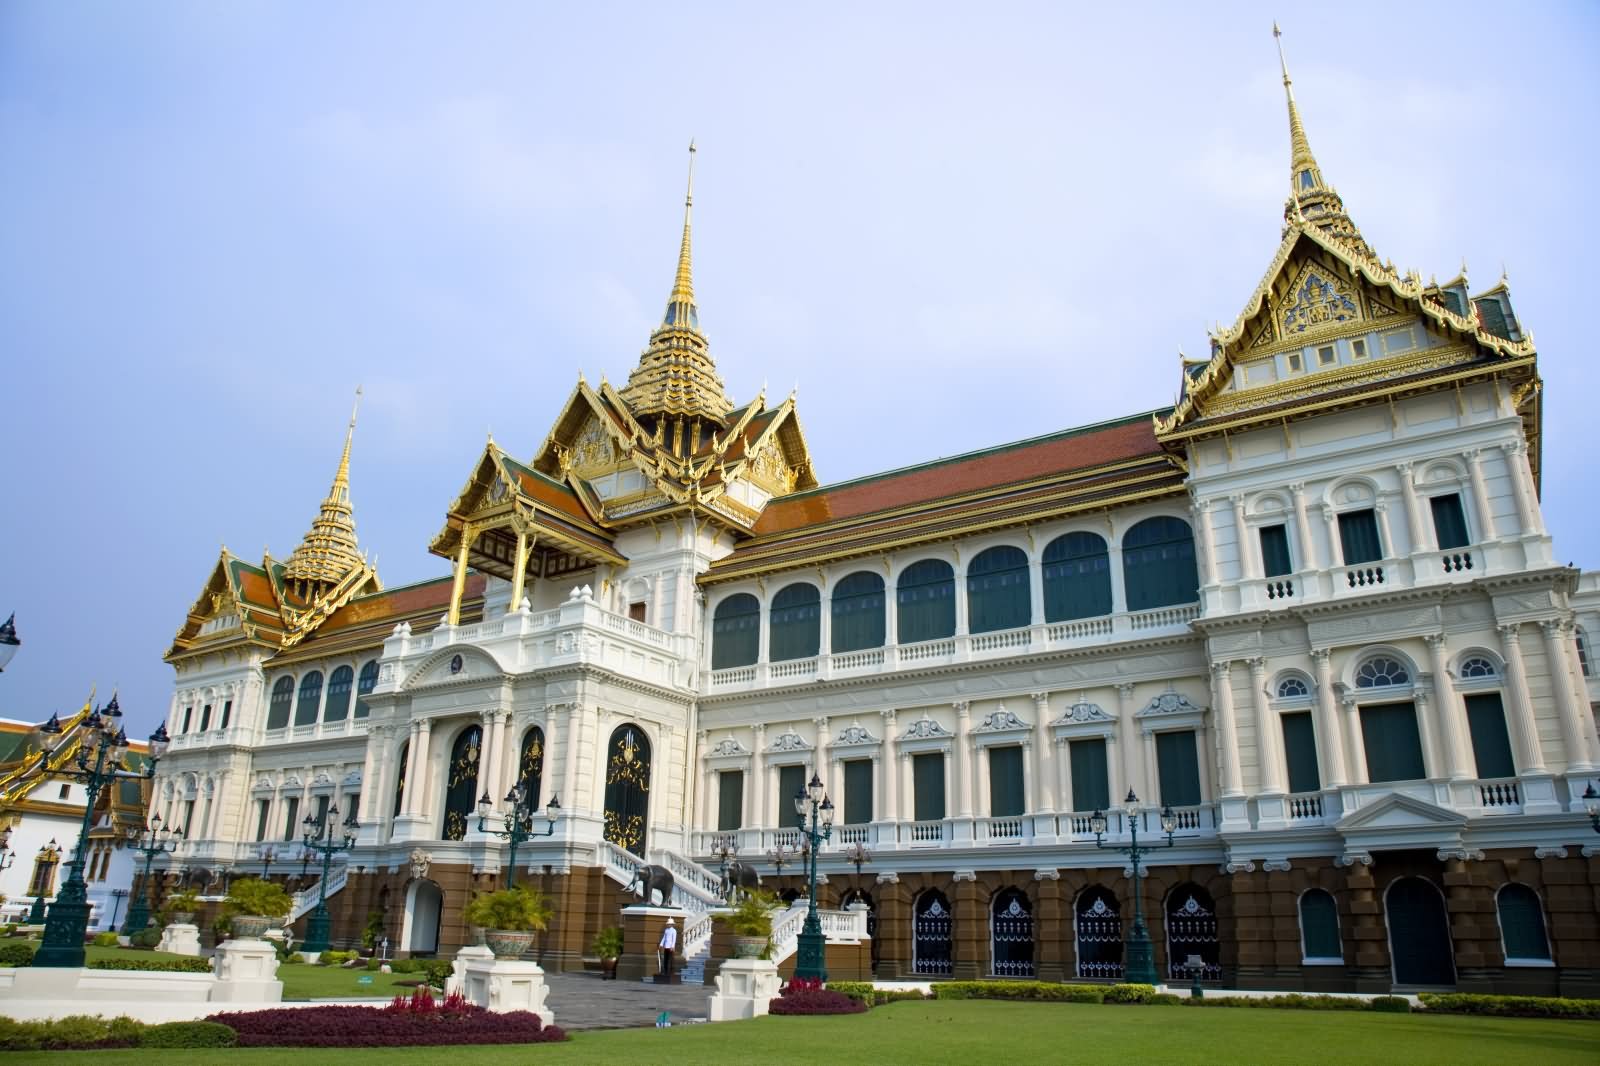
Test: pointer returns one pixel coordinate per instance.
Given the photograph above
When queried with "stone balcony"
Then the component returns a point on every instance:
(1456, 566)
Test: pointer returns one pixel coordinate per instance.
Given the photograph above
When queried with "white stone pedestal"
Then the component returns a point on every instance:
(458, 972)
(247, 972)
(744, 988)
(505, 985)
(180, 939)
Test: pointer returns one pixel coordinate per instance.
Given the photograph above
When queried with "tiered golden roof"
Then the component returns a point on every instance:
(328, 552)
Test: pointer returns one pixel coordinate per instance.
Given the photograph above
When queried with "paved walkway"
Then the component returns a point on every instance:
(584, 1001)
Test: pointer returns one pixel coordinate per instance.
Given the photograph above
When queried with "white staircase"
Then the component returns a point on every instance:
(694, 891)
(307, 898)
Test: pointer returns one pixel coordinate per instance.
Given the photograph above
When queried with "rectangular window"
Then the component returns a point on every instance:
(927, 781)
(1179, 766)
(636, 611)
(857, 791)
(188, 719)
(730, 799)
(1393, 746)
(1326, 356)
(1358, 348)
(1300, 752)
(791, 780)
(66, 790)
(1297, 363)
(188, 819)
(1275, 551)
(227, 713)
(1491, 745)
(263, 808)
(352, 805)
(205, 718)
(291, 818)
(1449, 521)
(1091, 791)
(1358, 536)
(322, 809)
(1006, 798)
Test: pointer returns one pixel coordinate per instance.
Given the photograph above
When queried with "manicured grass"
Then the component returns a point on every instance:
(331, 982)
(966, 1032)
(91, 953)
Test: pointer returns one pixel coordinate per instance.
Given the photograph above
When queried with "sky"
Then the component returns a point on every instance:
(947, 226)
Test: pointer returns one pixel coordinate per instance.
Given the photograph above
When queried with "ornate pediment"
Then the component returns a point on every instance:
(1001, 721)
(925, 728)
(728, 747)
(856, 734)
(1318, 300)
(1082, 712)
(789, 740)
(1170, 703)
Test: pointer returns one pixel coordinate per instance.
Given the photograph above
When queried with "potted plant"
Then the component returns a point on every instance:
(180, 907)
(751, 922)
(511, 917)
(608, 945)
(254, 906)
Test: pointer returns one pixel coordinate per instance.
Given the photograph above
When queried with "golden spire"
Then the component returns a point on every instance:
(328, 551)
(683, 283)
(1301, 161)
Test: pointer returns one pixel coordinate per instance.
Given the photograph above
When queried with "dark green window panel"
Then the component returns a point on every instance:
(1275, 560)
(1006, 797)
(1319, 926)
(305, 711)
(857, 613)
(795, 626)
(927, 781)
(857, 791)
(1491, 745)
(1449, 521)
(367, 682)
(1300, 752)
(791, 779)
(278, 706)
(1393, 746)
(1358, 536)
(736, 632)
(1179, 767)
(1091, 789)
(730, 799)
(997, 590)
(1522, 923)
(1077, 578)
(925, 602)
(1158, 566)
(340, 682)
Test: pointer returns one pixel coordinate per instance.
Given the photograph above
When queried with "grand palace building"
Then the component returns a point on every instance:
(1312, 608)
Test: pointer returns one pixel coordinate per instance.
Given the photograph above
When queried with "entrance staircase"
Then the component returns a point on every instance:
(306, 899)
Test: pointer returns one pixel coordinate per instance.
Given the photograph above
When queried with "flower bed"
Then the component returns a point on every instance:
(807, 996)
(419, 1021)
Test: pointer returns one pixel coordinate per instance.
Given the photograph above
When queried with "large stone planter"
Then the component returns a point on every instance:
(509, 943)
(749, 947)
(250, 926)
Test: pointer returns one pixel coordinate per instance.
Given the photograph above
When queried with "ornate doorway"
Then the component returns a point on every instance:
(1011, 934)
(424, 904)
(1192, 933)
(931, 926)
(628, 788)
(1099, 935)
(530, 768)
(461, 789)
(1419, 933)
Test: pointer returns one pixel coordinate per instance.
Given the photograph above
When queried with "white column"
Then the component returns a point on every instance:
(1480, 495)
(980, 780)
(963, 757)
(1580, 691)
(1269, 745)
(1357, 738)
(1119, 590)
(1335, 546)
(1330, 738)
(1248, 567)
(890, 810)
(573, 739)
(491, 754)
(1420, 538)
(1527, 731)
(417, 767)
(825, 626)
(1062, 756)
(758, 780)
(1456, 737)
(1558, 636)
(1125, 733)
(1522, 486)
(908, 800)
(1208, 539)
(1382, 509)
(1307, 559)
(891, 613)
(519, 579)
(1036, 591)
(1042, 801)
(961, 601)
(823, 766)
(1427, 727)
(369, 774)
(1227, 730)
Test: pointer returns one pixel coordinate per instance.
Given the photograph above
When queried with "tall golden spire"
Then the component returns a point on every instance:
(676, 375)
(328, 552)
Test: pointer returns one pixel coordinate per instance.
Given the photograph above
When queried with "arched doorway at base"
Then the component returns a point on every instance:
(424, 907)
(1419, 933)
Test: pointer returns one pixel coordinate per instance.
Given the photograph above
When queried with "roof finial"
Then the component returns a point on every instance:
(328, 551)
(1301, 161)
(683, 283)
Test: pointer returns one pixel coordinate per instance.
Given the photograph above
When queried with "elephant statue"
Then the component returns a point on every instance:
(739, 878)
(650, 879)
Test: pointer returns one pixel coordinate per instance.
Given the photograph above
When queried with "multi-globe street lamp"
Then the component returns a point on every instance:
(516, 821)
(1140, 962)
(151, 840)
(816, 823)
(102, 746)
(319, 836)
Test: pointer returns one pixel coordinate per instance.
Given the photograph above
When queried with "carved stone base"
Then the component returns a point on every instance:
(506, 985)
(180, 939)
(247, 972)
(745, 987)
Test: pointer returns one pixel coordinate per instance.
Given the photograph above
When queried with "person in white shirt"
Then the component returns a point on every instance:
(668, 945)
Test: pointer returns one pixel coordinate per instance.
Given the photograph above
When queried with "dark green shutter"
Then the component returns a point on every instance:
(927, 779)
(1486, 720)
(794, 628)
(305, 711)
(1358, 536)
(1180, 768)
(1091, 790)
(997, 590)
(925, 602)
(857, 791)
(1522, 923)
(1006, 798)
(857, 613)
(736, 632)
(730, 799)
(1076, 577)
(1275, 551)
(791, 779)
(1393, 746)
(1300, 752)
(1449, 521)
(1319, 926)
(1158, 565)
(365, 684)
(278, 708)
(339, 684)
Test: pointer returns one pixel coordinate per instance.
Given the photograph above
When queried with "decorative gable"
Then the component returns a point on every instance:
(1317, 301)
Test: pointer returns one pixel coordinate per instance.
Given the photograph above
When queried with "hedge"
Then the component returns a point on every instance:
(871, 995)
(105, 940)
(18, 954)
(78, 1032)
(188, 1034)
(815, 1001)
(194, 965)
(1288, 1001)
(1511, 1006)
(401, 1024)
(1035, 990)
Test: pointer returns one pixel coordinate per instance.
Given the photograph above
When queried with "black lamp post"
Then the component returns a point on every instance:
(1140, 963)
(267, 854)
(318, 836)
(725, 853)
(516, 821)
(49, 853)
(117, 896)
(1591, 803)
(816, 815)
(9, 642)
(858, 855)
(780, 857)
(103, 744)
(152, 840)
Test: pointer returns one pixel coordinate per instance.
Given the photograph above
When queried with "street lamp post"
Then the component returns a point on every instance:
(267, 854)
(49, 853)
(318, 836)
(858, 855)
(516, 821)
(780, 857)
(1140, 963)
(816, 814)
(9, 643)
(1591, 803)
(103, 744)
(152, 840)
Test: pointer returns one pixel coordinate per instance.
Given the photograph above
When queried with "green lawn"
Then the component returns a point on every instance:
(331, 982)
(967, 1032)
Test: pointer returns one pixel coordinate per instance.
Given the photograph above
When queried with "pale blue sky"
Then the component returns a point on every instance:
(952, 224)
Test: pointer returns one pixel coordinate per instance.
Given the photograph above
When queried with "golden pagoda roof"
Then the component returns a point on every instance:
(328, 552)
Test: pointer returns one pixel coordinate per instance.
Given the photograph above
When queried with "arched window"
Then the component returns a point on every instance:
(857, 612)
(1319, 928)
(278, 706)
(1478, 668)
(1522, 925)
(1158, 564)
(627, 812)
(794, 628)
(1077, 577)
(1099, 928)
(1291, 688)
(530, 769)
(305, 711)
(339, 684)
(925, 601)
(1191, 933)
(931, 928)
(736, 632)
(1011, 934)
(997, 590)
(368, 682)
(1381, 671)
(461, 783)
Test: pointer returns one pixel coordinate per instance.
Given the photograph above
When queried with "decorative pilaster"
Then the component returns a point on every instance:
(1248, 567)
(1330, 522)
(1480, 494)
(890, 783)
(1558, 637)
(1530, 756)
(1124, 736)
(1516, 454)
(1043, 800)
(1416, 530)
(758, 779)
(1330, 738)
(1302, 526)
(963, 758)
(1227, 730)
(1452, 715)
(1269, 758)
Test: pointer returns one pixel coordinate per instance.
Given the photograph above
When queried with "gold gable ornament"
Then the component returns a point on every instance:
(1315, 302)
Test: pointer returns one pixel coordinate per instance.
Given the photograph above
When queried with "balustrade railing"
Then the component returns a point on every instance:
(1305, 806)
(1500, 795)
(928, 834)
